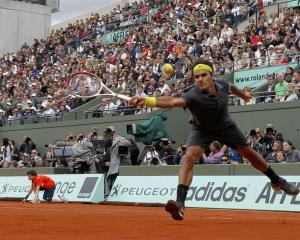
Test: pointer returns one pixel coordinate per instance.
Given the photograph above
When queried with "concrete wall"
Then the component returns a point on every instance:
(22, 171)
(22, 22)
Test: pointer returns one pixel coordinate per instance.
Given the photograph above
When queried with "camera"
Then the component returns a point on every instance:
(123, 151)
(269, 130)
(252, 132)
(80, 137)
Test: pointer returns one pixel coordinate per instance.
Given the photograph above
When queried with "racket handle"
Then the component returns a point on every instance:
(123, 97)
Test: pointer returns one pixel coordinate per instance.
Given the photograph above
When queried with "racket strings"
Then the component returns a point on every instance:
(84, 85)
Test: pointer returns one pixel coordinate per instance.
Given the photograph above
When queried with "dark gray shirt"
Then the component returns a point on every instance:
(293, 156)
(210, 111)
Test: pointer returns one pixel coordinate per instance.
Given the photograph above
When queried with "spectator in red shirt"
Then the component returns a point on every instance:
(254, 39)
(40, 183)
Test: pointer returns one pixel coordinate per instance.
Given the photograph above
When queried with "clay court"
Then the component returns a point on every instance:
(20, 221)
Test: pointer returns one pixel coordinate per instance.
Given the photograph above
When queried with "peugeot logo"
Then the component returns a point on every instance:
(115, 190)
(4, 188)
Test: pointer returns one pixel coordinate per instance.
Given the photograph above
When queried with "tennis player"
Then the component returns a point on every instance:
(40, 183)
(208, 103)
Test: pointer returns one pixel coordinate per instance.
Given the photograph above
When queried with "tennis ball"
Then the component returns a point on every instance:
(168, 69)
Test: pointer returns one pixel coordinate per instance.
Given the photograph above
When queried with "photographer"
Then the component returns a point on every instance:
(83, 154)
(167, 153)
(94, 135)
(119, 156)
(178, 159)
(27, 145)
(134, 152)
(253, 139)
(6, 151)
(269, 138)
(25, 161)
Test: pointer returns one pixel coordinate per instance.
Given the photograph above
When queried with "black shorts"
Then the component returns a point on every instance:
(230, 136)
(48, 193)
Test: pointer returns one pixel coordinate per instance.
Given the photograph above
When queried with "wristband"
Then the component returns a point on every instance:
(150, 101)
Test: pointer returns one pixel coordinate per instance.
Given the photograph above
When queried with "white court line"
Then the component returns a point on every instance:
(110, 211)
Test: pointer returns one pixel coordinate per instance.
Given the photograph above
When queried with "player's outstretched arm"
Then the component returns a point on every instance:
(160, 102)
(36, 194)
(28, 194)
(237, 92)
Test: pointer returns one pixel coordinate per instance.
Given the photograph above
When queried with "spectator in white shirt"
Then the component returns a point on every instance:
(291, 94)
(49, 111)
(226, 31)
(212, 40)
(110, 107)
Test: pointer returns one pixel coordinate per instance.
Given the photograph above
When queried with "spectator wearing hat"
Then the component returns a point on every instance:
(115, 157)
(47, 99)
(25, 161)
(37, 161)
(49, 111)
(272, 55)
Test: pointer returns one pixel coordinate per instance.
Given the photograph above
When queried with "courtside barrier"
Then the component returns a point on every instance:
(69, 187)
(230, 192)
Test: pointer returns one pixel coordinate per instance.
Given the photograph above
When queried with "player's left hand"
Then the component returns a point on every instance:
(246, 98)
(137, 101)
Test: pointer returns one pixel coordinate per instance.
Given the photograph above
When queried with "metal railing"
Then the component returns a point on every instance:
(95, 112)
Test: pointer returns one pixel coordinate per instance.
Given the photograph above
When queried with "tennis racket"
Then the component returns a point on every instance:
(87, 85)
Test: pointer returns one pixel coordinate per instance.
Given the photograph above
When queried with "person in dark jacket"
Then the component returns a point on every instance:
(27, 146)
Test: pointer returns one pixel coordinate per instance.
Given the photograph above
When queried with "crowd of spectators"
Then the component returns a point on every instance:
(284, 87)
(33, 80)
(25, 155)
(270, 143)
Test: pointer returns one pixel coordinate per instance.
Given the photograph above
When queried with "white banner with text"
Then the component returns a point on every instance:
(231, 192)
(69, 187)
